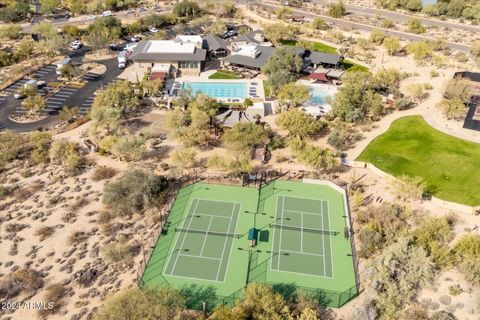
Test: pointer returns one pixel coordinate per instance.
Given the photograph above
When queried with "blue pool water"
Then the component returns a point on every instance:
(237, 90)
(318, 95)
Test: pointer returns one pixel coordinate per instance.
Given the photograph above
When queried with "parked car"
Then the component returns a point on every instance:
(152, 29)
(130, 11)
(75, 45)
(29, 84)
(134, 38)
(115, 47)
(229, 34)
(92, 17)
(107, 13)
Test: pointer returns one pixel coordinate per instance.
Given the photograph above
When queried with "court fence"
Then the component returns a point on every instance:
(257, 270)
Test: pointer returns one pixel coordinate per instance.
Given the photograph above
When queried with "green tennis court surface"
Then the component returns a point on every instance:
(205, 241)
(300, 233)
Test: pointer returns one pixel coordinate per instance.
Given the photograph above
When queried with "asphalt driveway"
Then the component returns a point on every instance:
(81, 97)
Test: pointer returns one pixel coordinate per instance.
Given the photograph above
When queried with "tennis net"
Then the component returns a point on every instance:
(207, 232)
(304, 229)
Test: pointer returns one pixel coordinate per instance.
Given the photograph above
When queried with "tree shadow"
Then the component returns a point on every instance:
(195, 295)
(287, 290)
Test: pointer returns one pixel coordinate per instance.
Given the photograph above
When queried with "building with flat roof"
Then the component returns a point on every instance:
(185, 54)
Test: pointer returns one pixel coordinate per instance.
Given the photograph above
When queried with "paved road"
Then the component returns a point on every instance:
(361, 26)
(402, 17)
(83, 19)
(83, 97)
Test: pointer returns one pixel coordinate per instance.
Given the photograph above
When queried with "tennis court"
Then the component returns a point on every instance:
(204, 243)
(302, 233)
(225, 237)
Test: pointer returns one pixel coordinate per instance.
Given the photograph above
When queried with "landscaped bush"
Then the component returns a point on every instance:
(135, 191)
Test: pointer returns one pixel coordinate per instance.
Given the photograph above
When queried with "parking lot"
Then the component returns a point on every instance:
(60, 95)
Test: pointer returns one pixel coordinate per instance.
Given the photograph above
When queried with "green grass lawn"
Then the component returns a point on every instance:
(316, 46)
(322, 47)
(449, 165)
(224, 74)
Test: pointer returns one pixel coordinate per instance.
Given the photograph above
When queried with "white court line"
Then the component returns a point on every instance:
(323, 238)
(211, 215)
(201, 279)
(200, 257)
(305, 253)
(225, 243)
(307, 274)
(312, 213)
(206, 236)
(331, 248)
(183, 242)
(273, 236)
(236, 224)
(301, 234)
(281, 231)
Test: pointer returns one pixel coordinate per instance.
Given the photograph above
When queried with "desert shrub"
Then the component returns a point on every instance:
(403, 103)
(299, 124)
(77, 237)
(10, 146)
(78, 204)
(67, 154)
(15, 227)
(434, 234)
(118, 252)
(343, 139)
(104, 217)
(103, 173)
(20, 281)
(455, 290)
(466, 254)
(135, 191)
(442, 315)
(56, 294)
(151, 303)
(317, 158)
(399, 273)
(380, 226)
(45, 232)
(276, 142)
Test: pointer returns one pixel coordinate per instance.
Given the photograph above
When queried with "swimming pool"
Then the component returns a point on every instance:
(220, 90)
(319, 94)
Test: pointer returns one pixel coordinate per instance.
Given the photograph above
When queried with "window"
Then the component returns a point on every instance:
(188, 64)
